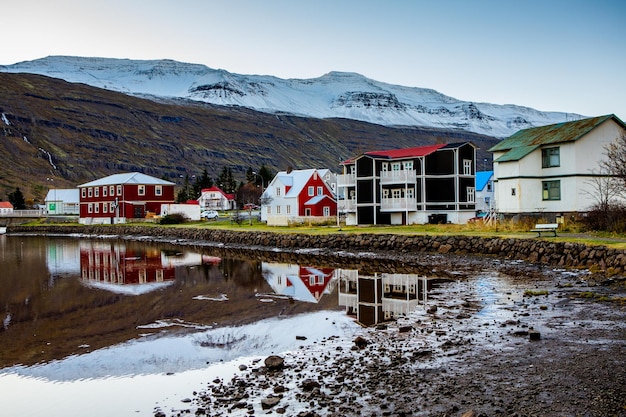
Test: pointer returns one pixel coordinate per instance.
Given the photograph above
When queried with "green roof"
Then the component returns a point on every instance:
(526, 141)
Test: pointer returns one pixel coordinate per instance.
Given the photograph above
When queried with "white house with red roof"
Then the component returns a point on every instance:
(297, 196)
(427, 184)
(215, 198)
(6, 207)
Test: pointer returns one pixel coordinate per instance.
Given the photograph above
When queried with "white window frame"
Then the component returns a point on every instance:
(104, 191)
(467, 167)
(119, 190)
(158, 190)
(471, 194)
(89, 192)
(320, 190)
(141, 190)
(326, 211)
(311, 191)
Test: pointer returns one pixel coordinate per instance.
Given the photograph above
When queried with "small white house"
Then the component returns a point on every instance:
(551, 169)
(6, 208)
(215, 198)
(63, 201)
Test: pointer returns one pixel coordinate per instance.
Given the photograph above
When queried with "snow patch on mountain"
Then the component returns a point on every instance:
(336, 94)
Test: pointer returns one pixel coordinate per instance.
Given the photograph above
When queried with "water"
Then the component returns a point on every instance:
(114, 327)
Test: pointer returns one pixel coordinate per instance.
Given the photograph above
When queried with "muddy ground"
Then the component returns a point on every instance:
(503, 338)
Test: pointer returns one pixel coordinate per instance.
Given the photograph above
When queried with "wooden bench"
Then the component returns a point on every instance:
(545, 227)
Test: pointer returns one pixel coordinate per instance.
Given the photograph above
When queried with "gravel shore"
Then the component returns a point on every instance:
(505, 339)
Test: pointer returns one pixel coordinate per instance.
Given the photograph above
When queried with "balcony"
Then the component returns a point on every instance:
(395, 177)
(346, 180)
(346, 206)
(398, 204)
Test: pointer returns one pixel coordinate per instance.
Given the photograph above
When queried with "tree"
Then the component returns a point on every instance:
(17, 199)
(226, 181)
(615, 164)
(202, 182)
(185, 193)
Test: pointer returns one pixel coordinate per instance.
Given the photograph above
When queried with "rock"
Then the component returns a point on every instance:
(405, 329)
(274, 363)
(534, 335)
(360, 342)
(269, 402)
(300, 337)
(242, 367)
(310, 384)
(432, 310)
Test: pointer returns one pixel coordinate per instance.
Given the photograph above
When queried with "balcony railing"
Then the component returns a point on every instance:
(346, 205)
(346, 180)
(402, 176)
(398, 204)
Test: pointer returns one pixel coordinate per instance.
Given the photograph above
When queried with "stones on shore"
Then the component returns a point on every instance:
(360, 342)
(274, 363)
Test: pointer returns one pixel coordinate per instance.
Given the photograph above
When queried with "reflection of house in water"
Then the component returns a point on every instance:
(302, 283)
(114, 263)
(62, 257)
(379, 297)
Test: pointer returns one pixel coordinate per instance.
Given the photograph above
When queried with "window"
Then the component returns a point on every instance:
(83, 192)
(141, 190)
(396, 193)
(385, 167)
(277, 209)
(104, 191)
(471, 195)
(326, 211)
(311, 191)
(90, 208)
(288, 209)
(307, 212)
(111, 190)
(395, 166)
(408, 165)
(96, 192)
(112, 207)
(410, 193)
(489, 186)
(97, 207)
(550, 157)
(158, 190)
(467, 167)
(551, 190)
(119, 190)
(320, 190)
(278, 191)
(385, 193)
(105, 206)
(89, 192)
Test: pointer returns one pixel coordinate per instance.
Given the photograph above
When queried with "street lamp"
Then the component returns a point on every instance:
(262, 180)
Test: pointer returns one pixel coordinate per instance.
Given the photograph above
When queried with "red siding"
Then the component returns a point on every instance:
(131, 204)
(316, 210)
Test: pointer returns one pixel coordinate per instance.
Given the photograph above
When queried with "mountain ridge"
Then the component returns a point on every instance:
(332, 95)
(56, 134)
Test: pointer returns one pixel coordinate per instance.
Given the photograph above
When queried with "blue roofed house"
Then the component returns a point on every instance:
(553, 169)
(484, 191)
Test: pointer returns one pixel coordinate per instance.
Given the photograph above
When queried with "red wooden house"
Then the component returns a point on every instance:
(305, 195)
(119, 197)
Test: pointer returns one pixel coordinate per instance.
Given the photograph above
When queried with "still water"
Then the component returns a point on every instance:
(113, 327)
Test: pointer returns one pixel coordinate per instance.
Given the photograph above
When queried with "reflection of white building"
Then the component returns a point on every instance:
(63, 257)
(380, 297)
(302, 283)
(63, 201)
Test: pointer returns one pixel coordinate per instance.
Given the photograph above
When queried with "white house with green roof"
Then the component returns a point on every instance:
(553, 169)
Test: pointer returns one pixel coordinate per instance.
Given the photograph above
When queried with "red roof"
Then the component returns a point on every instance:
(6, 205)
(219, 190)
(406, 152)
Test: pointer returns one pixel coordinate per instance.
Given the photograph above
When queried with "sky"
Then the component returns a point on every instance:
(551, 55)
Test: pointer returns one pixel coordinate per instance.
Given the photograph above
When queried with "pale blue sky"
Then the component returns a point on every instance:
(553, 55)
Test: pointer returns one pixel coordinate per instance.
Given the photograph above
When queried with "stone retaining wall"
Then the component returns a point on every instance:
(544, 251)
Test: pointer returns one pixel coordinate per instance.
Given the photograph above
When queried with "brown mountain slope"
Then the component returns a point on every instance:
(61, 134)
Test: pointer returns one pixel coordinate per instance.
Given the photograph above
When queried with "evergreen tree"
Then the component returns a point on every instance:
(202, 182)
(226, 181)
(17, 199)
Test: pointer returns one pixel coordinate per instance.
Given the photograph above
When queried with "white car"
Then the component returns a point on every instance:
(209, 215)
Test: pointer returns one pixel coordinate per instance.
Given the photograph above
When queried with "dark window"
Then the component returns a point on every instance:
(550, 157)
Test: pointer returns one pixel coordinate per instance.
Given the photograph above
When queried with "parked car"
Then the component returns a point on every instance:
(250, 207)
(209, 215)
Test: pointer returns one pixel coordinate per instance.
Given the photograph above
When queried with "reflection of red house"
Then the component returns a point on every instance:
(118, 265)
(316, 279)
(302, 283)
(118, 197)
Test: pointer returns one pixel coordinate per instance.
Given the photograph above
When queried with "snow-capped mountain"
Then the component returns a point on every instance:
(336, 94)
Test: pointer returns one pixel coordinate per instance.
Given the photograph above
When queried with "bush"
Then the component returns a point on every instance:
(174, 218)
(608, 219)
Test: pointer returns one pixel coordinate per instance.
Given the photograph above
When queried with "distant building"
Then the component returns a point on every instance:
(63, 201)
(304, 195)
(484, 191)
(551, 169)
(119, 197)
(6, 207)
(427, 184)
(215, 198)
